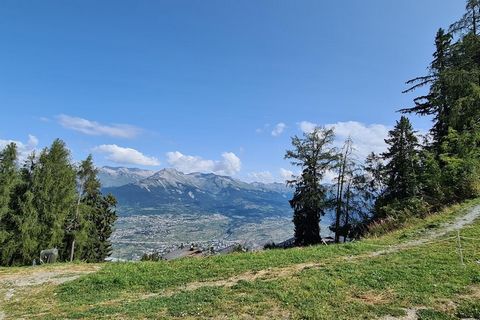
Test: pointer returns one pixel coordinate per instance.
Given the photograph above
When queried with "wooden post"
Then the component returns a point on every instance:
(72, 250)
(460, 250)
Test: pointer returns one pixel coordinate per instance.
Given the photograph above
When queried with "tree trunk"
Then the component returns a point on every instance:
(340, 181)
(72, 250)
(347, 211)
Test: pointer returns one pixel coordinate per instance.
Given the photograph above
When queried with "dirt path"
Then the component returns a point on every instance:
(39, 275)
(15, 283)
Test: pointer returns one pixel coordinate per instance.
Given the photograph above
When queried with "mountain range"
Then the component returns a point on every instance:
(169, 189)
(119, 176)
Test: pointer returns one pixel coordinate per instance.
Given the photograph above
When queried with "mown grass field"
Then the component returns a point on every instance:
(369, 279)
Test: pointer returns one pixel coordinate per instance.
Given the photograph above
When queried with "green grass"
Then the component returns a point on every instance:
(344, 283)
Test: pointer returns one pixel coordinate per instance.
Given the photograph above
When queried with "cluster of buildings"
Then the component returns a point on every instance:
(201, 249)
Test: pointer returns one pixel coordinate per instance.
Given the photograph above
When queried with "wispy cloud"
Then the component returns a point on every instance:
(262, 129)
(123, 155)
(263, 176)
(24, 148)
(94, 128)
(229, 164)
(278, 129)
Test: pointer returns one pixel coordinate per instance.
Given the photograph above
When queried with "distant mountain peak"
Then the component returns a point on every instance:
(170, 170)
(118, 176)
(204, 192)
(171, 178)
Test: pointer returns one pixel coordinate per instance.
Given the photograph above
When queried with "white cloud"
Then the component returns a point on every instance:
(23, 149)
(307, 126)
(123, 155)
(97, 129)
(366, 138)
(286, 174)
(330, 176)
(279, 128)
(230, 164)
(263, 176)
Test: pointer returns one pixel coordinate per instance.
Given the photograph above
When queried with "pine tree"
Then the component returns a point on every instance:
(314, 154)
(402, 162)
(104, 226)
(9, 179)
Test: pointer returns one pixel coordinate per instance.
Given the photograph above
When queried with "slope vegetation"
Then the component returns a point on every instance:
(428, 270)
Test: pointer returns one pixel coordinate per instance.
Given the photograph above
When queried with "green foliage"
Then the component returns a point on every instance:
(393, 215)
(469, 309)
(9, 179)
(154, 256)
(40, 207)
(449, 163)
(402, 165)
(470, 21)
(314, 154)
(461, 164)
(90, 226)
(27, 228)
(55, 195)
(429, 314)
(430, 179)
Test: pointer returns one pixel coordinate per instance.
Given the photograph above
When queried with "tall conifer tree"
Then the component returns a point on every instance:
(9, 179)
(314, 155)
(402, 161)
(54, 186)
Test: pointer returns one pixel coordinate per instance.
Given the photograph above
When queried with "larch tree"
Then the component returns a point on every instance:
(435, 103)
(80, 222)
(343, 195)
(315, 155)
(26, 217)
(42, 206)
(54, 185)
(9, 179)
(470, 21)
(95, 215)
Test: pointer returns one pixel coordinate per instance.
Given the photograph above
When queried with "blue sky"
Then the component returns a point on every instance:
(209, 85)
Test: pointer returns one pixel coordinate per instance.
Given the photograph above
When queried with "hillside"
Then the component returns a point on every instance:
(413, 273)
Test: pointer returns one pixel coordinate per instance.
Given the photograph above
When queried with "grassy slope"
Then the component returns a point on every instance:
(324, 282)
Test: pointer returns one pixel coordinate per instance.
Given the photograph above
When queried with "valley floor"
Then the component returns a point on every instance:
(414, 273)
